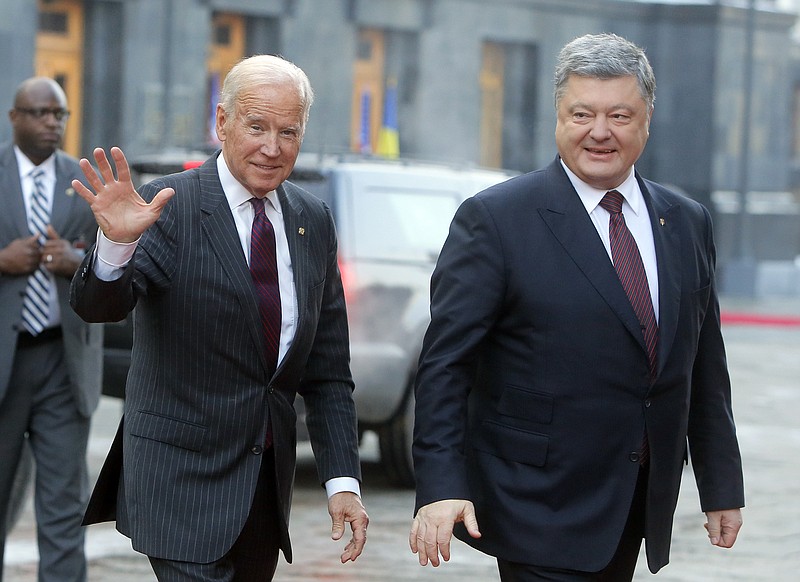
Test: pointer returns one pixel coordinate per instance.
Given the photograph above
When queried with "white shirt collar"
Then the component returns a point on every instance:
(591, 197)
(26, 166)
(237, 194)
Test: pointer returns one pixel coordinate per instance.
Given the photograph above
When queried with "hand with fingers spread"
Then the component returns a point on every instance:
(346, 507)
(432, 528)
(119, 210)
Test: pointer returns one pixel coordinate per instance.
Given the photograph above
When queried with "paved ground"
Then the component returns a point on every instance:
(765, 366)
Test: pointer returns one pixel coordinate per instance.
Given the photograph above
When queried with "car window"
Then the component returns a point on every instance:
(394, 224)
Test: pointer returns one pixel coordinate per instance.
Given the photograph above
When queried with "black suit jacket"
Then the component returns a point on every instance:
(199, 394)
(533, 390)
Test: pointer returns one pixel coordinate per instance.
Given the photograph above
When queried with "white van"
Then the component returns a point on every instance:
(392, 218)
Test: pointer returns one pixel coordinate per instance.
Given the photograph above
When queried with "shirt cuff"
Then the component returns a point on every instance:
(340, 484)
(112, 257)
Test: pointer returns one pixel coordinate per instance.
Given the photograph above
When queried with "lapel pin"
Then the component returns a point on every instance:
(662, 221)
(69, 191)
(301, 231)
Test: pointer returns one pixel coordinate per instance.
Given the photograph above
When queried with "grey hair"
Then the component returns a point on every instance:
(604, 56)
(265, 69)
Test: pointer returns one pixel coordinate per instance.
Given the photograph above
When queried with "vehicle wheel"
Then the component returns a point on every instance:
(395, 438)
(19, 490)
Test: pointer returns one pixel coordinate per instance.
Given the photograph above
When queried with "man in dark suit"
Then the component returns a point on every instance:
(554, 400)
(200, 475)
(50, 360)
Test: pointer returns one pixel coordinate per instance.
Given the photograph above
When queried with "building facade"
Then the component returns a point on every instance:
(464, 81)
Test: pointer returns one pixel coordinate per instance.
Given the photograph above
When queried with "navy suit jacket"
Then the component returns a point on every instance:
(199, 394)
(533, 390)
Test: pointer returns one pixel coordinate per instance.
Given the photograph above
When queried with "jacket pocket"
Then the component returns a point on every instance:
(513, 444)
(179, 433)
(524, 404)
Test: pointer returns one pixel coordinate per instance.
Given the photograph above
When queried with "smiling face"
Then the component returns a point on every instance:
(261, 138)
(602, 128)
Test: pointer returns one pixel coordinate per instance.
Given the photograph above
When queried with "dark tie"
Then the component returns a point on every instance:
(630, 269)
(35, 305)
(264, 270)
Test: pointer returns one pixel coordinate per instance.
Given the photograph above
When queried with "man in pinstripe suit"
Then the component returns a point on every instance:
(200, 475)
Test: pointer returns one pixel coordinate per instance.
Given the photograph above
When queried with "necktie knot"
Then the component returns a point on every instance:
(612, 202)
(258, 205)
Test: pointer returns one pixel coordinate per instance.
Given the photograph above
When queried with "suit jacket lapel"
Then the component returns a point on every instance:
(220, 230)
(665, 221)
(566, 217)
(63, 196)
(13, 202)
(295, 227)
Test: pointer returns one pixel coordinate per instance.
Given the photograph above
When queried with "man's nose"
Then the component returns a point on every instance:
(270, 145)
(601, 129)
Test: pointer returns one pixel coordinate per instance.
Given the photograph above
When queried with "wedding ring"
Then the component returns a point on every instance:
(49, 258)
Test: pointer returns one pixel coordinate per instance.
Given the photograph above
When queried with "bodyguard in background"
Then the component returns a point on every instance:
(50, 360)
(573, 351)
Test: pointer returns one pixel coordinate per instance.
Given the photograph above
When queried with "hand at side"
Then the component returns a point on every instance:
(432, 528)
(723, 527)
(346, 507)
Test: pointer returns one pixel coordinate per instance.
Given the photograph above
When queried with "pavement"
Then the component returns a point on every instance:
(763, 343)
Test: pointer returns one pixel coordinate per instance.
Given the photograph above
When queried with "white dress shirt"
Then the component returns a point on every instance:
(637, 220)
(112, 258)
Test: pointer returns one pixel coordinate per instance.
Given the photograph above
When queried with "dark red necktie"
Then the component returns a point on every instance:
(264, 270)
(630, 269)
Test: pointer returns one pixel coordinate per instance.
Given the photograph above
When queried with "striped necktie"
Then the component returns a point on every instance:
(264, 271)
(630, 269)
(35, 305)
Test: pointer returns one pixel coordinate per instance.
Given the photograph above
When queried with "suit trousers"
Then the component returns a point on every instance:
(39, 403)
(622, 565)
(254, 555)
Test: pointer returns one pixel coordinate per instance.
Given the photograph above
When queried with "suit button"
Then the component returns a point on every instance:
(633, 457)
(647, 403)
(271, 390)
(257, 450)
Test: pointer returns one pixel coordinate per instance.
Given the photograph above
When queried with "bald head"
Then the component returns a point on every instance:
(39, 117)
(35, 86)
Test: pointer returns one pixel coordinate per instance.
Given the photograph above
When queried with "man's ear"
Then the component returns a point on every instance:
(220, 120)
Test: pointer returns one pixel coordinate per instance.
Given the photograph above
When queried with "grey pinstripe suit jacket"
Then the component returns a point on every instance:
(73, 220)
(199, 394)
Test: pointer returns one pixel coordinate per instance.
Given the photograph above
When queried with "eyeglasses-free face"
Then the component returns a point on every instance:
(41, 112)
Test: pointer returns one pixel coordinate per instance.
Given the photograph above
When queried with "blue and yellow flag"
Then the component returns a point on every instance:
(389, 136)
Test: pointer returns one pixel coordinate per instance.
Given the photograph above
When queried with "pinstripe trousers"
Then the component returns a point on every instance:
(254, 555)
